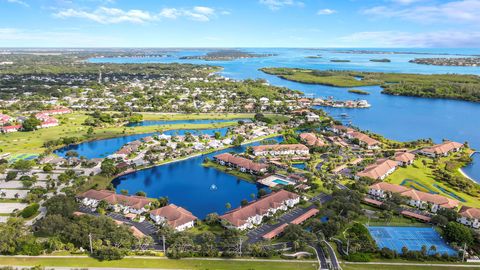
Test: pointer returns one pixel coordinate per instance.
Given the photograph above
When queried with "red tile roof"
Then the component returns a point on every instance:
(443, 148)
(112, 198)
(279, 147)
(389, 187)
(239, 216)
(311, 139)
(175, 215)
(378, 169)
(415, 215)
(310, 213)
(275, 232)
(404, 157)
(470, 212)
(241, 162)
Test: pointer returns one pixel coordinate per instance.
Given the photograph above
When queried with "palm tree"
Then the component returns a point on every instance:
(433, 249)
(228, 205)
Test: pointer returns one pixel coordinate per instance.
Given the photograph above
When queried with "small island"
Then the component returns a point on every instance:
(384, 60)
(226, 55)
(339, 61)
(458, 62)
(448, 86)
(358, 92)
(314, 56)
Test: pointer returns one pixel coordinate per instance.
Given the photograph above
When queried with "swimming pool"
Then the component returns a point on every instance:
(281, 182)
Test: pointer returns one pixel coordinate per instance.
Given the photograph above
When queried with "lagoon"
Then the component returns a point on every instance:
(105, 147)
(188, 184)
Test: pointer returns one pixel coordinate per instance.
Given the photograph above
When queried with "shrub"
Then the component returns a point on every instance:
(359, 257)
(11, 176)
(109, 253)
(30, 210)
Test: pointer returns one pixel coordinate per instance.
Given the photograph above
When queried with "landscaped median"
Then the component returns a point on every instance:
(159, 262)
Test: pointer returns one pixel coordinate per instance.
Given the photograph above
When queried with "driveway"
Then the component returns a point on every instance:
(7, 208)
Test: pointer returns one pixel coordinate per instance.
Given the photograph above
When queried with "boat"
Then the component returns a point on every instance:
(344, 115)
(213, 187)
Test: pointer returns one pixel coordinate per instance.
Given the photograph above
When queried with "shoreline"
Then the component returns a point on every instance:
(465, 174)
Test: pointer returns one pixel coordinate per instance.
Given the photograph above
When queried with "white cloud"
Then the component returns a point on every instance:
(107, 15)
(462, 11)
(20, 2)
(326, 11)
(278, 4)
(405, 2)
(442, 39)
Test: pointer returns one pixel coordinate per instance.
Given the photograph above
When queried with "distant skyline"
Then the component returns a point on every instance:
(246, 23)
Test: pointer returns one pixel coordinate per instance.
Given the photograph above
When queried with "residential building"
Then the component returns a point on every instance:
(442, 149)
(311, 117)
(311, 139)
(469, 216)
(404, 158)
(4, 119)
(364, 140)
(240, 163)
(281, 150)
(379, 170)
(117, 202)
(252, 214)
(8, 129)
(176, 217)
(415, 198)
(384, 190)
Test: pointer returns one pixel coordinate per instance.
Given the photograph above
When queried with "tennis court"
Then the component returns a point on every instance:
(395, 238)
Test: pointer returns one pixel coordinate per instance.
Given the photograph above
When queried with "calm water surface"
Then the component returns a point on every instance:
(396, 117)
(188, 184)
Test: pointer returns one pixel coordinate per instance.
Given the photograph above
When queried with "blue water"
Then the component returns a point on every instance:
(396, 117)
(300, 166)
(105, 147)
(473, 169)
(196, 121)
(395, 238)
(188, 184)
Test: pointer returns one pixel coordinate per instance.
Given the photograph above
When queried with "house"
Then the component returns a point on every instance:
(341, 130)
(469, 216)
(281, 150)
(252, 214)
(117, 202)
(176, 217)
(442, 149)
(364, 140)
(379, 170)
(433, 202)
(8, 129)
(311, 117)
(384, 189)
(242, 164)
(311, 139)
(404, 158)
(49, 122)
(4, 119)
(415, 198)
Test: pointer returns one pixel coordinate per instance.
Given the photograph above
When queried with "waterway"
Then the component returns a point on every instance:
(195, 121)
(396, 117)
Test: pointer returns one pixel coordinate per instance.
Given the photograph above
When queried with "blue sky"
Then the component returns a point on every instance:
(239, 23)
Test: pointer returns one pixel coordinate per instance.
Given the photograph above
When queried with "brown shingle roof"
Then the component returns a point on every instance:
(239, 216)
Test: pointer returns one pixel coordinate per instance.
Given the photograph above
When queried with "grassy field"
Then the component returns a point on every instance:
(401, 267)
(158, 263)
(71, 126)
(225, 169)
(424, 181)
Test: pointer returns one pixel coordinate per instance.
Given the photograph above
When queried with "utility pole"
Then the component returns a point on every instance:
(163, 242)
(90, 239)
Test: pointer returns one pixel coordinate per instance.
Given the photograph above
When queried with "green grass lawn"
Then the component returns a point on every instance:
(200, 116)
(158, 263)
(423, 175)
(71, 126)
